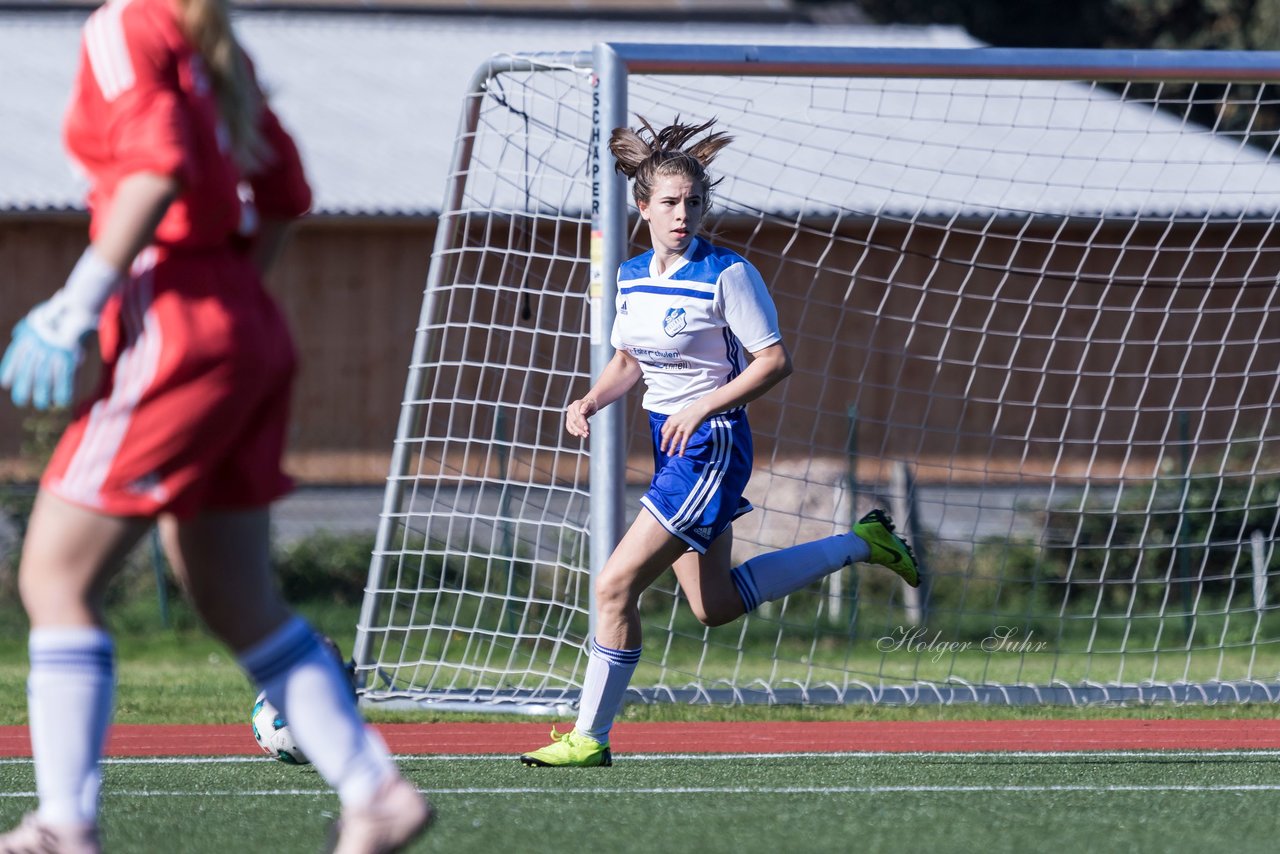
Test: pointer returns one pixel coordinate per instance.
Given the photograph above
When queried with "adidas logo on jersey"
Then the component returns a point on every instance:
(703, 532)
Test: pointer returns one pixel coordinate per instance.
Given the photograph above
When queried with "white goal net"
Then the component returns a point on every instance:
(1032, 308)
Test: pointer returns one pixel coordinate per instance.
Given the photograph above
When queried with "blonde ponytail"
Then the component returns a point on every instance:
(208, 24)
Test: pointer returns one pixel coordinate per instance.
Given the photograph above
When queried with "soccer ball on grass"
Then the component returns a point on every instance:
(270, 729)
(272, 733)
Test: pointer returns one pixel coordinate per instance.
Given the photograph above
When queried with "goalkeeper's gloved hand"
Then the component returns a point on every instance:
(40, 364)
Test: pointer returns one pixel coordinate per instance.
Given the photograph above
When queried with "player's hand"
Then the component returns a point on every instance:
(39, 366)
(576, 415)
(679, 428)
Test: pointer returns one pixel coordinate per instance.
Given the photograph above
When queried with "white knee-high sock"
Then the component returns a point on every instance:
(774, 575)
(608, 674)
(69, 696)
(304, 681)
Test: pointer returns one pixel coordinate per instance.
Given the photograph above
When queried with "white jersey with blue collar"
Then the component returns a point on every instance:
(690, 326)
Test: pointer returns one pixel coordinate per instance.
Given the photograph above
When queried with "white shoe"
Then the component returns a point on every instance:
(34, 836)
(397, 815)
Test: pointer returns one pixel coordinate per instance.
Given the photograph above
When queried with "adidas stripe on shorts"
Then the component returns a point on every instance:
(697, 496)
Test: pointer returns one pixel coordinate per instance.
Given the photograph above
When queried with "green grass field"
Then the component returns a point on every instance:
(1157, 802)
(1128, 801)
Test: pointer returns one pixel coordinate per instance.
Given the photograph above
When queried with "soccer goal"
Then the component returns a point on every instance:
(1031, 298)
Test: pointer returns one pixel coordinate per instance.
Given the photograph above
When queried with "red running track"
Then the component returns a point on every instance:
(718, 737)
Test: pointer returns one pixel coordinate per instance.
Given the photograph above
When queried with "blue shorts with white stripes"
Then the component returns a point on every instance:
(697, 496)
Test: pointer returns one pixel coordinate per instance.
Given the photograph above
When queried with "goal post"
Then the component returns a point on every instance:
(1031, 300)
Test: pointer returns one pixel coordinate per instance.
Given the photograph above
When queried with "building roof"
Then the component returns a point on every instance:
(374, 100)
(597, 8)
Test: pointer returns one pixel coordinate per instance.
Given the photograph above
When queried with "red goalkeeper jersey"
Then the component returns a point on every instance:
(191, 413)
(144, 102)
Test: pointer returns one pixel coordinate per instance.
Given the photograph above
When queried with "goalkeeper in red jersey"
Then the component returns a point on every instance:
(688, 313)
(192, 184)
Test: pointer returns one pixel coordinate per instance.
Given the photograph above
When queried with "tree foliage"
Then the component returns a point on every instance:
(1247, 111)
(1163, 24)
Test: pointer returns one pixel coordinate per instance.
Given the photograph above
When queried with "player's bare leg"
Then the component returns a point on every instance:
(707, 584)
(69, 555)
(224, 561)
(646, 550)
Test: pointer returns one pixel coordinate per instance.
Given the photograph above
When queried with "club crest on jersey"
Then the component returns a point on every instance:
(674, 323)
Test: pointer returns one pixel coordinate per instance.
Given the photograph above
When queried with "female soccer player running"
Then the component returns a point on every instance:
(193, 182)
(686, 311)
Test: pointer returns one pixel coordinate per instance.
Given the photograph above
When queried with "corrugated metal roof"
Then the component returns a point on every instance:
(374, 101)
(521, 7)
(976, 148)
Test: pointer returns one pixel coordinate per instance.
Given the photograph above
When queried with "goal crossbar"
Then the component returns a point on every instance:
(951, 63)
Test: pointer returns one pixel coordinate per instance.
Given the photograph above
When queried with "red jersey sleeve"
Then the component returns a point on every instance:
(280, 189)
(133, 63)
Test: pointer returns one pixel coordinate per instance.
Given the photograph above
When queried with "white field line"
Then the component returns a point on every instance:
(1154, 753)
(700, 790)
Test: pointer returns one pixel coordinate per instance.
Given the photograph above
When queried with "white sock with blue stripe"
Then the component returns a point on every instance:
(772, 576)
(305, 682)
(69, 696)
(608, 675)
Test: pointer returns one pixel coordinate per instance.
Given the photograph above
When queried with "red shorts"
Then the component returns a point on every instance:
(193, 407)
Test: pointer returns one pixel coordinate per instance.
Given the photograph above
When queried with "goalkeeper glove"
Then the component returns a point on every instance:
(48, 344)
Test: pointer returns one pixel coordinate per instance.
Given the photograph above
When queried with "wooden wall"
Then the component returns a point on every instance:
(352, 292)
(1023, 350)
(932, 335)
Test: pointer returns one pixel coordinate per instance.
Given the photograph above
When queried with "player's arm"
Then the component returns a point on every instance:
(768, 367)
(139, 117)
(140, 202)
(40, 363)
(617, 378)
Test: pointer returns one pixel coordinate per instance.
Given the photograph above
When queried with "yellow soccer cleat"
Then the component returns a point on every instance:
(571, 749)
(887, 548)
